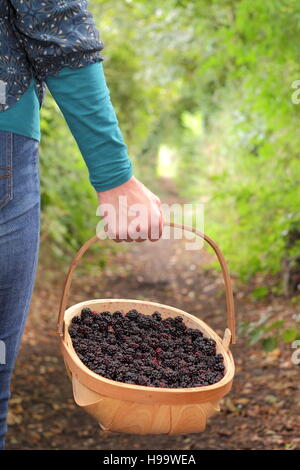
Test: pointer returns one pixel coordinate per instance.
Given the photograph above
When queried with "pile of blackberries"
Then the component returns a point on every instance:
(145, 349)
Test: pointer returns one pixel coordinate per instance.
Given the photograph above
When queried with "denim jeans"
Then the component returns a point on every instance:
(19, 244)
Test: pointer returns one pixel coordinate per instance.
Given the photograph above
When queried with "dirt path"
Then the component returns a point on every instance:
(262, 411)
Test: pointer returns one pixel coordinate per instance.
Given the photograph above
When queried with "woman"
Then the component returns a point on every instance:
(55, 44)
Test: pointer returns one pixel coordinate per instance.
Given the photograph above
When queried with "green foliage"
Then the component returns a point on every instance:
(270, 335)
(212, 81)
(259, 293)
(245, 166)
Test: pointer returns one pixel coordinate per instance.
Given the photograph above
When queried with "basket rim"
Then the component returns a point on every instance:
(228, 377)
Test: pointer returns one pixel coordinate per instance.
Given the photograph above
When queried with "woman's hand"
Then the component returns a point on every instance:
(131, 212)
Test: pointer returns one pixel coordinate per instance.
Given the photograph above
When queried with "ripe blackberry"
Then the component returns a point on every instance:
(76, 320)
(135, 330)
(85, 331)
(168, 355)
(145, 350)
(73, 330)
(142, 379)
(156, 316)
(132, 314)
(86, 312)
(118, 315)
(190, 359)
(172, 363)
(145, 322)
(107, 316)
(87, 321)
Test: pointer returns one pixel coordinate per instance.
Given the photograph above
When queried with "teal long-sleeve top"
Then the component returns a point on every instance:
(84, 100)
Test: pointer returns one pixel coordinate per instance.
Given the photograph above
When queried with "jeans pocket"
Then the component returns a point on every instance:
(6, 144)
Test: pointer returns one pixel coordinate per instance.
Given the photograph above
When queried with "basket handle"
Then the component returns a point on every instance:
(229, 336)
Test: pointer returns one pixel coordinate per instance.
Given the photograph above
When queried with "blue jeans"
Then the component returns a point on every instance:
(19, 244)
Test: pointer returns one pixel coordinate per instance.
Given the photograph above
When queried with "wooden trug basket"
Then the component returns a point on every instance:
(136, 409)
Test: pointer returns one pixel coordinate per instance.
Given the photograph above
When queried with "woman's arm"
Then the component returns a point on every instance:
(84, 99)
(56, 35)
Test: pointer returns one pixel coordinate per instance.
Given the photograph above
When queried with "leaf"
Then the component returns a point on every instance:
(13, 419)
(243, 327)
(275, 324)
(269, 344)
(290, 335)
(271, 399)
(256, 335)
(260, 292)
(263, 319)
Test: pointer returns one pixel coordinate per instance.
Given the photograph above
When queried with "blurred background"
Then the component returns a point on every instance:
(203, 94)
(206, 97)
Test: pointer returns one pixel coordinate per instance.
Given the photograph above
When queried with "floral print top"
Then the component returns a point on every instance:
(40, 37)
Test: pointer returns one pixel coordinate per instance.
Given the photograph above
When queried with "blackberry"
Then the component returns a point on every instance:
(88, 321)
(208, 346)
(117, 314)
(73, 330)
(190, 359)
(135, 330)
(143, 380)
(145, 350)
(84, 331)
(111, 349)
(156, 316)
(178, 320)
(169, 373)
(167, 354)
(132, 314)
(86, 312)
(219, 358)
(107, 316)
(145, 322)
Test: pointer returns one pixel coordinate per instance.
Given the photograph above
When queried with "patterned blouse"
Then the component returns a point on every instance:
(40, 37)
